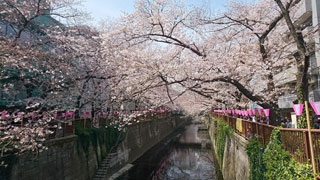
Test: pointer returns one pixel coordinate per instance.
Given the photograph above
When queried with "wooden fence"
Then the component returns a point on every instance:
(295, 141)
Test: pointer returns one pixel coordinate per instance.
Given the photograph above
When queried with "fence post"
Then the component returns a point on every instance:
(244, 128)
(247, 129)
(73, 127)
(263, 140)
(306, 144)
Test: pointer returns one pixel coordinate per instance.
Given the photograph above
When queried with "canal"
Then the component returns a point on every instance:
(186, 154)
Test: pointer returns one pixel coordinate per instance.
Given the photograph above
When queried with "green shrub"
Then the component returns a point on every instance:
(271, 163)
(255, 151)
(224, 131)
(104, 136)
(279, 163)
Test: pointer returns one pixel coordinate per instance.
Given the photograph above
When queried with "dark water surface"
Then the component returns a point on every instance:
(185, 155)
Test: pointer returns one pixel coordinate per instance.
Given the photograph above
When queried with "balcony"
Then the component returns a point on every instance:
(314, 95)
(286, 76)
(304, 12)
(286, 101)
(308, 34)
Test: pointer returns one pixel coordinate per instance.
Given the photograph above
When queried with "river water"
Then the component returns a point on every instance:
(184, 155)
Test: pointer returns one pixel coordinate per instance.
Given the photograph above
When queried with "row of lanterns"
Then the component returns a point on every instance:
(249, 112)
(71, 114)
(298, 108)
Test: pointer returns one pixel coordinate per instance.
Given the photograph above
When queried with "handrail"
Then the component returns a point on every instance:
(295, 141)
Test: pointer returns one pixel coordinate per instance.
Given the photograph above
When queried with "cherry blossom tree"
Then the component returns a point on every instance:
(164, 54)
(32, 75)
(244, 47)
(169, 22)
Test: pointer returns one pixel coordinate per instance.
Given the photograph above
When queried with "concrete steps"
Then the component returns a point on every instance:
(102, 171)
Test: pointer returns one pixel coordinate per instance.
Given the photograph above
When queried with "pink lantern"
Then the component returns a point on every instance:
(33, 115)
(63, 115)
(55, 115)
(316, 107)
(250, 112)
(297, 109)
(266, 112)
(260, 111)
(4, 114)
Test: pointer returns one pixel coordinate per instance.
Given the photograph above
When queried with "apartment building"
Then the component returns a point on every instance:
(309, 17)
(34, 31)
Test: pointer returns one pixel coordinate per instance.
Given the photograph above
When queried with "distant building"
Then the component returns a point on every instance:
(308, 17)
(20, 90)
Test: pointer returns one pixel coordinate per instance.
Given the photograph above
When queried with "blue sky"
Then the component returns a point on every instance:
(104, 9)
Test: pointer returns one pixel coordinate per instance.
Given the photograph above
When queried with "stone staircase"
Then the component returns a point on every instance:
(102, 171)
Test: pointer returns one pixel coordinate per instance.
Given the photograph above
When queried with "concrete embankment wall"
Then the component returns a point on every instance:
(66, 159)
(235, 163)
(140, 138)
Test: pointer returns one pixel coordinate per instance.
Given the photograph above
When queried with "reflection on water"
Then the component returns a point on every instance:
(184, 157)
(186, 164)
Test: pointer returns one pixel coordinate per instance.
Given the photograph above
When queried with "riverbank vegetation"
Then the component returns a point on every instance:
(273, 162)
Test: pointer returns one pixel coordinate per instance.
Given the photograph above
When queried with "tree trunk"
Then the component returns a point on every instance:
(302, 61)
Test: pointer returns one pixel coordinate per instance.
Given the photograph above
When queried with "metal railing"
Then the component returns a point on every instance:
(247, 128)
(295, 141)
(65, 126)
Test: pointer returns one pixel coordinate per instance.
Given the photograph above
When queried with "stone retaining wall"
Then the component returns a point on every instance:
(66, 159)
(235, 164)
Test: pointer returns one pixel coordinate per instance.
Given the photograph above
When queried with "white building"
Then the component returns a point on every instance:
(309, 17)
